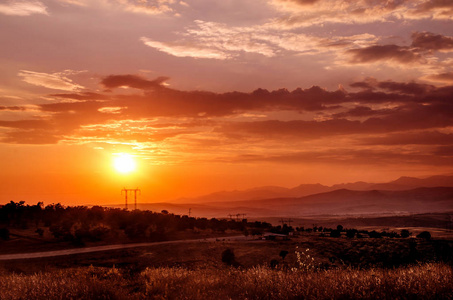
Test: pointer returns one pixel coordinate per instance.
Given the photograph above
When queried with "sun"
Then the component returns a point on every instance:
(124, 163)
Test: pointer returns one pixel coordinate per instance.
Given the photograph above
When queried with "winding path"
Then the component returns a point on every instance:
(107, 248)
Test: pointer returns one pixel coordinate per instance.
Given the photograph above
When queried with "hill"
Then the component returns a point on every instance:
(272, 192)
(342, 202)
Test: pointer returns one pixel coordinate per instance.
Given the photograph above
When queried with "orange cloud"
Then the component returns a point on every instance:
(57, 81)
(23, 8)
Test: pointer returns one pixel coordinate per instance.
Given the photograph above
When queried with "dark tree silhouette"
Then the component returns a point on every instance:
(228, 257)
(424, 235)
(283, 254)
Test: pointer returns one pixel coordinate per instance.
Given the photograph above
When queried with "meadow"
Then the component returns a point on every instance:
(425, 281)
(372, 263)
(313, 267)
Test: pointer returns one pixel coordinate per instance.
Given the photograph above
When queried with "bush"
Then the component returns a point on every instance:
(4, 234)
(335, 233)
(405, 233)
(228, 257)
(424, 235)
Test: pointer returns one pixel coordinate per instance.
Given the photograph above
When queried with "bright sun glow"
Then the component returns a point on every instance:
(124, 163)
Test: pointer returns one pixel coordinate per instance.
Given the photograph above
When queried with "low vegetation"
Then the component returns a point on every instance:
(427, 281)
(314, 263)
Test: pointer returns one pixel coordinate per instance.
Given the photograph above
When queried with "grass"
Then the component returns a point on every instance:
(426, 281)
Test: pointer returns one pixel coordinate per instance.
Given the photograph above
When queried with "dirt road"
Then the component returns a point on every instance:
(108, 248)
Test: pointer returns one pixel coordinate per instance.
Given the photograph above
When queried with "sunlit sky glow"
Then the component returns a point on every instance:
(212, 95)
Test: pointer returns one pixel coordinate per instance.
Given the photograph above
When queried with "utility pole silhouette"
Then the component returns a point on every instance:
(126, 191)
(190, 210)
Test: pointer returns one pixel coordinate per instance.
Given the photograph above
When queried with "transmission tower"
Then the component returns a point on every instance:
(126, 191)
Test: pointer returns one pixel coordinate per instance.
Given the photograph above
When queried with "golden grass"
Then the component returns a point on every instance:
(427, 281)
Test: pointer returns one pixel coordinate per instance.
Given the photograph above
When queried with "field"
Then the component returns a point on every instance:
(315, 267)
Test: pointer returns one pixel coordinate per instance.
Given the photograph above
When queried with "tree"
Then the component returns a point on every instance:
(350, 233)
(335, 233)
(228, 257)
(40, 231)
(424, 235)
(283, 254)
(405, 233)
(4, 234)
(340, 228)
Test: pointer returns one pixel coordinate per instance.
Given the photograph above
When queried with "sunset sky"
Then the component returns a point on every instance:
(220, 95)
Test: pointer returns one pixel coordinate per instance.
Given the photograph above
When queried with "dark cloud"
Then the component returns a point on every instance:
(363, 111)
(352, 157)
(414, 106)
(416, 116)
(443, 77)
(81, 96)
(411, 138)
(12, 108)
(430, 41)
(303, 2)
(35, 136)
(430, 5)
(406, 88)
(133, 81)
(411, 88)
(444, 151)
(383, 52)
(26, 124)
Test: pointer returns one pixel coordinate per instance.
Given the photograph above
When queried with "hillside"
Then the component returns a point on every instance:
(342, 202)
(272, 192)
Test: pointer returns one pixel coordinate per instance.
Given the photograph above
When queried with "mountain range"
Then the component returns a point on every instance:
(404, 196)
(269, 192)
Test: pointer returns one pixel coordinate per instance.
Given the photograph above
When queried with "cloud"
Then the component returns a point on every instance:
(411, 138)
(146, 7)
(185, 49)
(352, 156)
(151, 7)
(307, 13)
(436, 9)
(442, 77)
(57, 81)
(362, 111)
(134, 81)
(381, 107)
(12, 108)
(430, 41)
(81, 96)
(23, 8)
(219, 41)
(376, 53)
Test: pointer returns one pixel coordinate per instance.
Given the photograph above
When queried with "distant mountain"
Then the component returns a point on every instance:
(342, 202)
(271, 192)
(258, 193)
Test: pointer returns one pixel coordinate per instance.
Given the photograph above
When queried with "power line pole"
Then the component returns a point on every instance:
(190, 210)
(126, 191)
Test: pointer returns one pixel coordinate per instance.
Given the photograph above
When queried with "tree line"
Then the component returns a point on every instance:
(80, 224)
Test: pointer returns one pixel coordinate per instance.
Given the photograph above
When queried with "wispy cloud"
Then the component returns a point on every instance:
(57, 81)
(146, 7)
(220, 41)
(22, 8)
(306, 13)
(185, 49)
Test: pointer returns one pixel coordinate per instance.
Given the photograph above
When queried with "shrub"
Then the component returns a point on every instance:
(228, 257)
(424, 235)
(335, 233)
(283, 254)
(4, 234)
(405, 233)
(350, 233)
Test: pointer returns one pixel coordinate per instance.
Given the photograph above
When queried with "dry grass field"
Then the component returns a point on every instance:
(315, 268)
